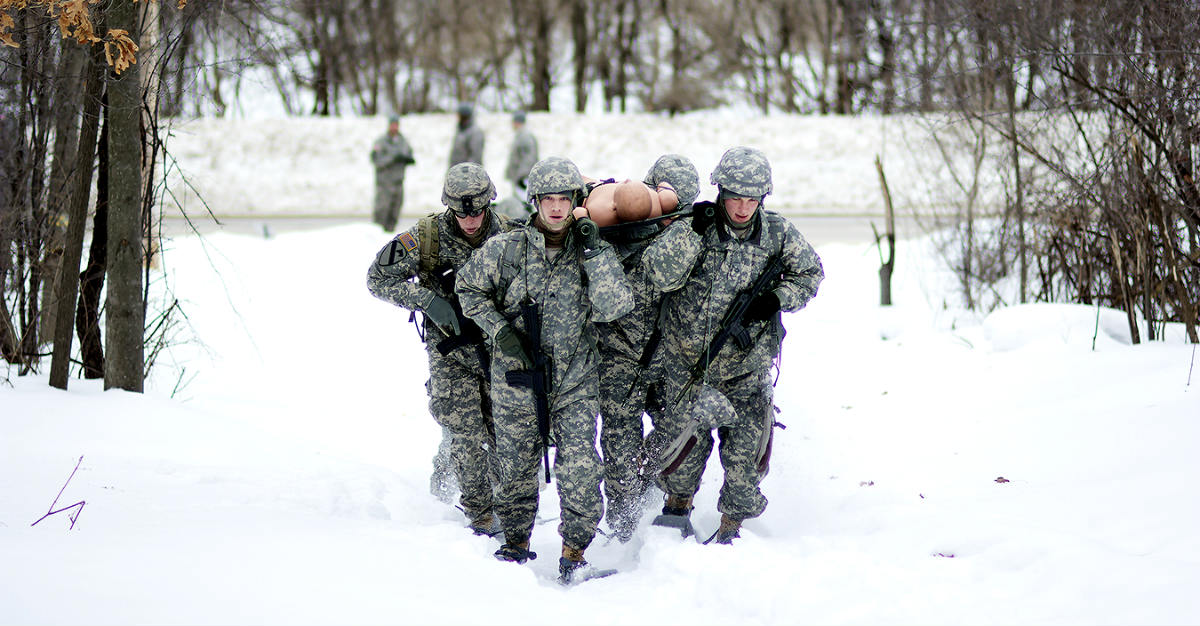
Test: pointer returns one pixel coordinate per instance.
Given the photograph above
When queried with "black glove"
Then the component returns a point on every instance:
(442, 313)
(762, 307)
(510, 344)
(703, 215)
(588, 233)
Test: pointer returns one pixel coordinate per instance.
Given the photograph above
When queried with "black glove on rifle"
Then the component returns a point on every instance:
(588, 233)
(510, 343)
(763, 307)
(703, 215)
(442, 314)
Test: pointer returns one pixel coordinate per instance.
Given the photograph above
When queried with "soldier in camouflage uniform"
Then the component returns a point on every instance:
(571, 278)
(433, 251)
(390, 154)
(626, 346)
(468, 141)
(703, 263)
(522, 155)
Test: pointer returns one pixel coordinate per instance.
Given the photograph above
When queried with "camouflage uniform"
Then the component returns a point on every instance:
(390, 154)
(468, 141)
(570, 291)
(625, 350)
(458, 384)
(703, 274)
(522, 155)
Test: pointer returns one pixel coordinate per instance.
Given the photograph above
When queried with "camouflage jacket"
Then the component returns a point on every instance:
(468, 146)
(571, 292)
(522, 156)
(703, 276)
(390, 275)
(628, 335)
(391, 155)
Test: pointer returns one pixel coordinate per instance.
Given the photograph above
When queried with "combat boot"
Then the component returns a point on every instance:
(675, 514)
(569, 563)
(486, 524)
(728, 531)
(516, 552)
(678, 505)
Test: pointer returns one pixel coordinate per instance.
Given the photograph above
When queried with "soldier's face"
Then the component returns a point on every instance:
(555, 208)
(470, 225)
(740, 210)
(393, 128)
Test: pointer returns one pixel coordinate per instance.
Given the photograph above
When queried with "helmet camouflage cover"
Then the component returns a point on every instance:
(555, 175)
(679, 171)
(468, 183)
(743, 172)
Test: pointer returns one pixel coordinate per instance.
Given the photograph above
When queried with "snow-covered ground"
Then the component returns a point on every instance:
(1029, 467)
(320, 166)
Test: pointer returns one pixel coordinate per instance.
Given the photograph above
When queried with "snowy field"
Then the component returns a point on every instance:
(1027, 467)
(320, 166)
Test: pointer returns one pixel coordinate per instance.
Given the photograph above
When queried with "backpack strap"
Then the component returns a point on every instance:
(427, 237)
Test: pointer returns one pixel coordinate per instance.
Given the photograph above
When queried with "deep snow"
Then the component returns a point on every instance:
(937, 468)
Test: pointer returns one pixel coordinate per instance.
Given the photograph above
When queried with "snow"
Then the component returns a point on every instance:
(939, 467)
(319, 166)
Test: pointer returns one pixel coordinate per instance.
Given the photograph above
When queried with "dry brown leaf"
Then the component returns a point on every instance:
(119, 50)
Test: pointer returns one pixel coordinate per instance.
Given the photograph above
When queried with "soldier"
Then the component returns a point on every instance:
(535, 292)
(708, 264)
(522, 155)
(391, 154)
(468, 141)
(433, 251)
(626, 346)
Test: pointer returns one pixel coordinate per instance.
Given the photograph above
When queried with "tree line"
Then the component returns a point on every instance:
(1085, 112)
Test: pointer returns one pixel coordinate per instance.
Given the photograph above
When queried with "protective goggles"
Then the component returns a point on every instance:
(471, 206)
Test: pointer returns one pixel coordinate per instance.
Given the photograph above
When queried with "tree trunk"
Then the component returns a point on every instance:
(66, 136)
(91, 281)
(579, 33)
(68, 286)
(123, 367)
(888, 265)
(542, 81)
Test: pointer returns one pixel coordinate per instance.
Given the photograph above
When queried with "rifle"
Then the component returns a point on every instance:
(536, 378)
(731, 326)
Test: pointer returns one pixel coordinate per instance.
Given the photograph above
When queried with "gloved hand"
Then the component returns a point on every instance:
(588, 233)
(762, 307)
(703, 216)
(510, 344)
(442, 313)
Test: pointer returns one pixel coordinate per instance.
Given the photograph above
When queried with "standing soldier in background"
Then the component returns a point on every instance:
(468, 141)
(522, 155)
(535, 292)
(626, 346)
(433, 251)
(391, 154)
(709, 265)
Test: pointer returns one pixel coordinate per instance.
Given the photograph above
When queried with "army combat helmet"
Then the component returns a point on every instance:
(742, 173)
(468, 189)
(680, 172)
(556, 175)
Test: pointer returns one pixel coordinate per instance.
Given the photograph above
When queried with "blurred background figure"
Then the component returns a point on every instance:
(391, 155)
(521, 156)
(468, 141)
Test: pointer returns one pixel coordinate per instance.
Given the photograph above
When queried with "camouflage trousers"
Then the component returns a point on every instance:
(623, 390)
(577, 467)
(459, 401)
(389, 198)
(752, 399)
